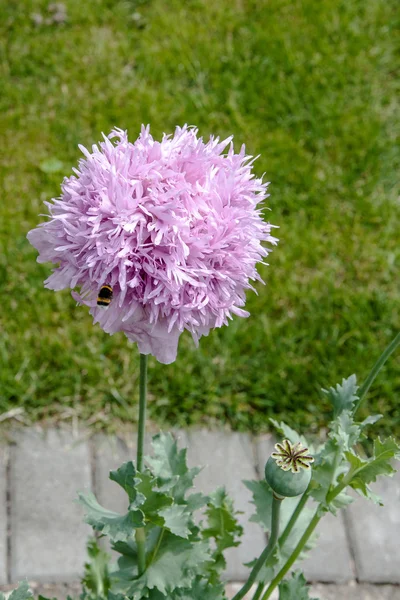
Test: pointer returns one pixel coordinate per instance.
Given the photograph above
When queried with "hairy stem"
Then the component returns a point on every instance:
(140, 533)
(375, 370)
(266, 553)
(142, 411)
(258, 592)
(295, 554)
(292, 521)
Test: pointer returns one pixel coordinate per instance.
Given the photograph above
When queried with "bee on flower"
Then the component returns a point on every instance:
(174, 228)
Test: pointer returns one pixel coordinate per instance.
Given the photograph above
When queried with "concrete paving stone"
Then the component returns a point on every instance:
(233, 588)
(229, 458)
(375, 533)
(3, 513)
(330, 560)
(48, 535)
(355, 592)
(322, 591)
(111, 453)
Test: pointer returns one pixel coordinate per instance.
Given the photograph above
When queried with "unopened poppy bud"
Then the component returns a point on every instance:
(288, 470)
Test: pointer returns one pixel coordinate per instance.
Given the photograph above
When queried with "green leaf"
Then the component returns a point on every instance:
(125, 477)
(291, 435)
(169, 466)
(343, 396)
(367, 470)
(345, 431)
(96, 576)
(222, 525)
(329, 459)
(149, 499)
(116, 526)
(51, 165)
(371, 420)
(295, 588)
(262, 499)
(175, 566)
(22, 592)
(201, 590)
(177, 520)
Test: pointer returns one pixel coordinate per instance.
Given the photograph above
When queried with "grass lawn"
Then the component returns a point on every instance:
(313, 87)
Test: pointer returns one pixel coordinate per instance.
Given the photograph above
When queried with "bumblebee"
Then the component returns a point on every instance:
(105, 295)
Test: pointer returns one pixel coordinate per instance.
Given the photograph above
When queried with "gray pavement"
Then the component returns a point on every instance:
(43, 537)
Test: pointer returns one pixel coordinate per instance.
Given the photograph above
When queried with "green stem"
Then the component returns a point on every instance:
(286, 532)
(266, 553)
(259, 591)
(292, 521)
(140, 533)
(295, 554)
(142, 411)
(375, 370)
(307, 534)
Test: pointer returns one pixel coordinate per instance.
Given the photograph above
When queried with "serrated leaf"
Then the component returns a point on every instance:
(96, 575)
(262, 499)
(295, 588)
(149, 499)
(22, 592)
(177, 519)
(367, 470)
(343, 396)
(371, 420)
(169, 466)
(329, 459)
(116, 526)
(223, 526)
(201, 590)
(291, 435)
(196, 501)
(125, 477)
(345, 431)
(175, 566)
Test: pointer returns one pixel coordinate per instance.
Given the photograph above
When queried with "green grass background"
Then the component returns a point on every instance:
(312, 86)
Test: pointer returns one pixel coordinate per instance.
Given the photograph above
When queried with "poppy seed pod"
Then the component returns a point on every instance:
(288, 470)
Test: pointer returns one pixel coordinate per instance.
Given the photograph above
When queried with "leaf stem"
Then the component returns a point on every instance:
(140, 533)
(295, 554)
(266, 553)
(259, 591)
(375, 370)
(292, 521)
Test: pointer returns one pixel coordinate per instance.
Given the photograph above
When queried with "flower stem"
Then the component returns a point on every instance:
(142, 411)
(292, 521)
(375, 370)
(295, 554)
(266, 553)
(140, 533)
(259, 591)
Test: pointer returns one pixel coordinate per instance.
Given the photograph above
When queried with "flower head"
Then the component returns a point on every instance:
(292, 457)
(174, 228)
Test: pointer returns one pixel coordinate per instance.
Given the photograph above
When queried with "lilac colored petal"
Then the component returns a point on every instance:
(175, 227)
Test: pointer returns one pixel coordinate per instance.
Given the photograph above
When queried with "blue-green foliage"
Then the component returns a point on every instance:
(184, 559)
(340, 463)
